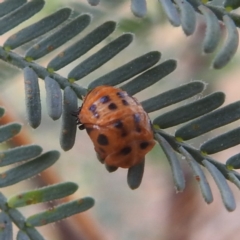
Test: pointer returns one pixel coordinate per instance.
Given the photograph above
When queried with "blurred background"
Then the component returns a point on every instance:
(154, 211)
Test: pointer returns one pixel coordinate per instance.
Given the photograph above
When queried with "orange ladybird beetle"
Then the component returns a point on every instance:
(118, 126)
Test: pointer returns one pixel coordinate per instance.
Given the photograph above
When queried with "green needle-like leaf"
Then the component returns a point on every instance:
(21, 14)
(28, 169)
(171, 12)
(230, 45)
(2, 111)
(190, 111)
(58, 38)
(43, 26)
(221, 142)
(69, 125)
(19, 154)
(44, 194)
(135, 174)
(150, 77)
(6, 229)
(60, 212)
(172, 96)
(213, 31)
(8, 6)
(233, 162)
(22, 235)
(199, 176)
(139, 8)
(53, 98)
(234, 179)
(102, 56)
(210, 121)
(82, 46)
(174, 163)
(127, 70)
(187, 16)
(226, 193)
(8, 131)
(32, 97)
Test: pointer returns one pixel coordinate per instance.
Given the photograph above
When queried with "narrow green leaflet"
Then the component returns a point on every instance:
(2, 111)
(231, 4)
(171, 12)
(150, 77)
(33, 234)
(213, 31)
(58, 38)
(139, 8)
(110, 168)
(229, 47)
(93, 2)
(233, 162)
(8, 131)
(19, 154)
(44, 194)
(82, 46)
(127, 70)
(43, 26)
(102, 56)
(21, 14)
(9, 6)
(32, 97)
(60, 212)
(190, 111)
(6, 229)
(135, 174)
(17, 217)
(199, 176)
(173, 161)
(172, 96)
(22, 236)
(226, 193)
(234, 179)
(187, 16)
(69, 125)
(3, 202)
(53, 98)
(210, 121)
(28, 169)
(222, 142)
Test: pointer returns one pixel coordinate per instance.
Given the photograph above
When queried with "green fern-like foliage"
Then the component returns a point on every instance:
(134, 76)
(183, 13)
(32, 162)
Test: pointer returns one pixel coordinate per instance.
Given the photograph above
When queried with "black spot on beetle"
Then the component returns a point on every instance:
(121, 94)
(126, 151)
(92, 108)
(104, 99)
(125, 103)
(118, 124)
(137, 119)
(102, 139)
(144, 145)
(112, 106)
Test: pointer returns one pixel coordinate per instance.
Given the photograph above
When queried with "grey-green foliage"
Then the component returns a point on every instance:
(31, 161)
(145, 71)
(183, 13)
